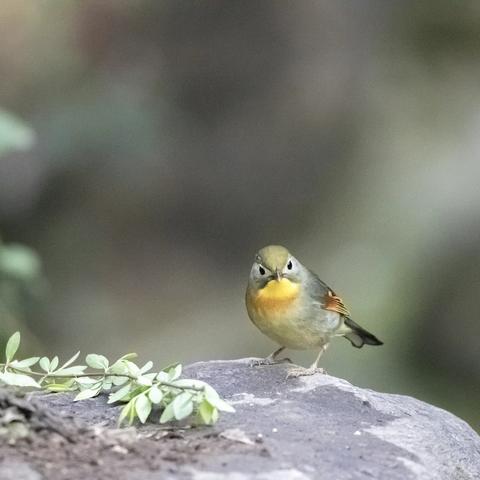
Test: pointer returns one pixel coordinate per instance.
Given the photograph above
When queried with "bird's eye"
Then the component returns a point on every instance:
(261, 270)
(289, 265)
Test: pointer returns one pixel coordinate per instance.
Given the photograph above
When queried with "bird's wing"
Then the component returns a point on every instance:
(328, 298)
(334, 303)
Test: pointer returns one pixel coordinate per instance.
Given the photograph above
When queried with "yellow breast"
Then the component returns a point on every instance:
(275, 298)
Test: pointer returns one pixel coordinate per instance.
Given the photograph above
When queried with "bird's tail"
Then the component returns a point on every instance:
(358, 336)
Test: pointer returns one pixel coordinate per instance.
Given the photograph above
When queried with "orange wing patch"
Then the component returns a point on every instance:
(335, 304)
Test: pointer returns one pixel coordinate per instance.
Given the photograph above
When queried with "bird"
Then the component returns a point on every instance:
(291, 305)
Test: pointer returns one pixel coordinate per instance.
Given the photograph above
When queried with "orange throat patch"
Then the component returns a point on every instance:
(276, 297)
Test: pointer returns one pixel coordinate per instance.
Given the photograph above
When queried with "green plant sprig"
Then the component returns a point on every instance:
(141, 390)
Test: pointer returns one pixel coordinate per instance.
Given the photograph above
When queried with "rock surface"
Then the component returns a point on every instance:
(297, 429)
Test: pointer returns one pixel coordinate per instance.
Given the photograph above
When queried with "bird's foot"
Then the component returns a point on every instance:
(269, 361)
(303, 372)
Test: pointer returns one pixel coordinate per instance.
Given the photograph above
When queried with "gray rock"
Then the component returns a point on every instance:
(307, 428)
(18, 471)
(324, 427)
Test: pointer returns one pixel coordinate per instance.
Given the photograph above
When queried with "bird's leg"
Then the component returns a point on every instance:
(271, 359)
(312, 369)
(279, 360)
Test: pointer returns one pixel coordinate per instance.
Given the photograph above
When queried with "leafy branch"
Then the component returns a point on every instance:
(141, 390)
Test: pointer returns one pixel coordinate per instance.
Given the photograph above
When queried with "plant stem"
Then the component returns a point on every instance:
(99, 374)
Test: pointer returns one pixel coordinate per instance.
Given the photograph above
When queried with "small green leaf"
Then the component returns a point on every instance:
(162, 377)
(167, 414)
(145, 381)
(223, 406)
(119, 394)
(210, 394)
(88, 393)
(175, 372)
(143, 407)
(214, 399)
(12, 346)
(117, 381)
(205, 411)
(106, 385)
(126, 412)
(155, 395)
(182, 405)
(27, 363)
(129, 356)
(187, 382)
(133, 369)
(45, 364)
(118, 368)
(214, 415)
(148, 366)
(18, 380)
(54, 363)
(86, 381)
(169, 367)
(96, 361)
(69, 362)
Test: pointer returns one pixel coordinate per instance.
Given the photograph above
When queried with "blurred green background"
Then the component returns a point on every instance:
(161, 143)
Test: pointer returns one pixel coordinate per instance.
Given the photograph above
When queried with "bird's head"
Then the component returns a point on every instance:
(275, 263)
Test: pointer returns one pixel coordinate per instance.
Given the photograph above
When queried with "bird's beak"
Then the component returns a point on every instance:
(278, 275)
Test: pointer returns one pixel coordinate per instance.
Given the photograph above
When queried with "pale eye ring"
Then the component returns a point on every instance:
(261, 270)
(289, 265)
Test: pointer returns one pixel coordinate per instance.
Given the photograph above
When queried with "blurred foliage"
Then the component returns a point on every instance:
(22, 286)
(21, 279)
(19, 263)
(14, 134)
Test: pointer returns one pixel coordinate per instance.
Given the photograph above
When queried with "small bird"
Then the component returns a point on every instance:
(292, 306)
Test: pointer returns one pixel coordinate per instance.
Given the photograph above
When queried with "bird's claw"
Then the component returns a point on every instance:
(282, 360)
(268, 361)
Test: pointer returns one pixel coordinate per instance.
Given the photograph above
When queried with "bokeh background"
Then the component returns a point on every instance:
(149, 148)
